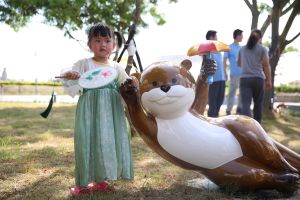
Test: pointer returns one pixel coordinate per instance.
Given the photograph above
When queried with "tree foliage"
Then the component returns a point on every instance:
(70, 15)
(279, 41)
(275, 12)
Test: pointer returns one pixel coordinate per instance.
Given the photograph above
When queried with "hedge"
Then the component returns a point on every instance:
(285, 88)
(30, 83)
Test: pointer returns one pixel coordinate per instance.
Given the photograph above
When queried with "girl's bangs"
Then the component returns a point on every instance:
(101, 31)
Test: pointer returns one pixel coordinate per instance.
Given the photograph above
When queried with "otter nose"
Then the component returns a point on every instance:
(165, 88)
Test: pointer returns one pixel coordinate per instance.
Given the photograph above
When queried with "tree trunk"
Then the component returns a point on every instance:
(255, 16)
(274, 55)
(269, 94)
(137, 15)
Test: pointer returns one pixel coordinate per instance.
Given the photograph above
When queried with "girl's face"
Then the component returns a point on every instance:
(102, 46)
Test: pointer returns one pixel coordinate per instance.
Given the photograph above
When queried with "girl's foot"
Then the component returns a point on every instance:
(103, 186)
(79, 191)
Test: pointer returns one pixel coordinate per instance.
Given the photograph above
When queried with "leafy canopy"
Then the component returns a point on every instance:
(70, 15)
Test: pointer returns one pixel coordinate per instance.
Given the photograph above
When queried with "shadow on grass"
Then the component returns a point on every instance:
(154, 180)
(51, 186)
(180, 191)
(35, 160)
(36, 191)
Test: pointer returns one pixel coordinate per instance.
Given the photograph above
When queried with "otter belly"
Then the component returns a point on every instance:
(198, 142)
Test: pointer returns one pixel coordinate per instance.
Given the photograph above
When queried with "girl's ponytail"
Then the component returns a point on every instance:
(119, 39)
(254, 38)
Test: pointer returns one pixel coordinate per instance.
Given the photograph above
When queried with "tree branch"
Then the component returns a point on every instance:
(255, 5)
(137, 12)
(266, 24)
(67, 32)
(288, 8)
(249, 5)
(291, 40)
(289, 23)
(70, 35)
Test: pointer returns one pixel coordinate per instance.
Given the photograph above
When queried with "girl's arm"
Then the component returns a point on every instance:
(122, 75)
(71, 82)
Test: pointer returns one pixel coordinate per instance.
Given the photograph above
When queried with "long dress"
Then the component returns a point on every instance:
(102, 145)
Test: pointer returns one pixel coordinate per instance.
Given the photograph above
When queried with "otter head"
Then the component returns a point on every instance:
(167, 90)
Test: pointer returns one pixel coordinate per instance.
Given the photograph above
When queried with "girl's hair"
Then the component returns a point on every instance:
(254, 38)
(103, 30)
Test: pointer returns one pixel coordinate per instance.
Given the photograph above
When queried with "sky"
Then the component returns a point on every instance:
(39, 52)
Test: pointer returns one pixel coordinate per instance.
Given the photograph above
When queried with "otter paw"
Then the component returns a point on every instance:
(129, 89)
(288, 183)
(209, 67)
(287, 178)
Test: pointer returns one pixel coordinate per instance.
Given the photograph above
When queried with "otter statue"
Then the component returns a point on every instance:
(166, 107)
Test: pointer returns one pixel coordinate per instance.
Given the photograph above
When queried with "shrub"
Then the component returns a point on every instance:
(285, 88)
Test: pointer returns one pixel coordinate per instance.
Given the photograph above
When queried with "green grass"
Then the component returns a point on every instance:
(37, 159)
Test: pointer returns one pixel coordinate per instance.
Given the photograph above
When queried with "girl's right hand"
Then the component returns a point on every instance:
(71, 75)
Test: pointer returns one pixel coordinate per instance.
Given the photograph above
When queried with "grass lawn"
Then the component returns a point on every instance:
(37, 158)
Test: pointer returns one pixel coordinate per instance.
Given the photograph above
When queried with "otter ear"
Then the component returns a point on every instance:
(187, 64)
(136, 75)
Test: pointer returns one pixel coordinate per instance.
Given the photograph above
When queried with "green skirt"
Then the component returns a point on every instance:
(102, 145)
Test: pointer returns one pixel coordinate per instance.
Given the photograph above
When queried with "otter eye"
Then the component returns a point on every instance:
(174, 80)
(154, 83)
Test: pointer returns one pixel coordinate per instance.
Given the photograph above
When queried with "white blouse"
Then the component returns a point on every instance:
(86, 64)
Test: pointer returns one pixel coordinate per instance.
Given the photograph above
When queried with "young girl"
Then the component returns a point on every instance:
(102, 146)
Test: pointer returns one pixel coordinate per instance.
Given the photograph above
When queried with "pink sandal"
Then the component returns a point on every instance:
(103, 186)
(78, 191)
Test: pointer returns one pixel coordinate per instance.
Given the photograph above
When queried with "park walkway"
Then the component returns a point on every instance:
(67, 99)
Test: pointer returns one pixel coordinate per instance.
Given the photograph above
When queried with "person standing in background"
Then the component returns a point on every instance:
(216, 90)
(4, 75)
(3, 78)
(235, 71)
(256, 74)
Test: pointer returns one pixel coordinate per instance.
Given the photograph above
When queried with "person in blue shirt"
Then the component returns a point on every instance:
(216, 90)
(235, 71)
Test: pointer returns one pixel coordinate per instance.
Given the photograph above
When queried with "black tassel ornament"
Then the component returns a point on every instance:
(48, 109)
